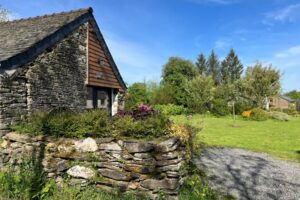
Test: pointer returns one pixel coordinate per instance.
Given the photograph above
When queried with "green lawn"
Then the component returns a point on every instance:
(281, 139)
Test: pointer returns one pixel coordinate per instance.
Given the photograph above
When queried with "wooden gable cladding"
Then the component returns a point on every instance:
(96, 53)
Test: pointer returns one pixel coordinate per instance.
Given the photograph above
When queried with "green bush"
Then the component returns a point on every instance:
(220, 107)
(291, 111)
(170, 109)
(24, 183)
(279, 116)
(155, 126)
(258, 114)
(97, 123)
(241, 106)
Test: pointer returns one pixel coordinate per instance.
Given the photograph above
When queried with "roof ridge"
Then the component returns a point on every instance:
(88, 9)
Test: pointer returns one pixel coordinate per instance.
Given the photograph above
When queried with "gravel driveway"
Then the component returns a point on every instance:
(249, 175)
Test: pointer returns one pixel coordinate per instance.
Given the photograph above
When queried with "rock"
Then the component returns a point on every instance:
(104, 140)
(76, 181)
(154, 184)
(171, 174)
(142, 169)
(86, 145)
(175, 167)
(133, 185)
(167, 156)
(110, 146)
(4, 144)
(168, 162)
(12, 136)
(142, 155)
(81, 172)
(62, 166)
(168, 145)
(104, 188)
(110, 165)
(16, 145)
(59, 181)
(138, 147)
(116, 175)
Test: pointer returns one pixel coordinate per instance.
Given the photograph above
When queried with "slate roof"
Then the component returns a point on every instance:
(288, 99)
(22, 40)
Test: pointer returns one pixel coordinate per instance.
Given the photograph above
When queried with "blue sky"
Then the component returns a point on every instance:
(143, 34)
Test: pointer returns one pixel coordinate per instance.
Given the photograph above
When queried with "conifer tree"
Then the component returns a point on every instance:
(231, 68)
(201, 64)
(213, 67)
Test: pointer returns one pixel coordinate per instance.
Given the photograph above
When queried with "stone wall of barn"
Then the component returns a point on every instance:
(106, 163)
(56, 78)
(12, 101)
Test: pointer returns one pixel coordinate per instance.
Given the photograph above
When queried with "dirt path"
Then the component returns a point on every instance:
(248, 175)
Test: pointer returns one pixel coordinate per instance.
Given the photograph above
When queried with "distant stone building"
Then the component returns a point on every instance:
(58, 60)
(281, 102)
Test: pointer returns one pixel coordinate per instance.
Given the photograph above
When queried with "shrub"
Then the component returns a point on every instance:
(291, 111)
(170, 109)
(65, 123)
(258, 114)
(154, 126)
(279, 116)
(241, 106)
(220, 107)
(246, 114)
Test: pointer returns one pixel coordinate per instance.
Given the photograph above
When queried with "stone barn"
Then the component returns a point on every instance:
(58, 60)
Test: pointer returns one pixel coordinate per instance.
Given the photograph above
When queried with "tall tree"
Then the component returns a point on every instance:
(231, 68)
(213, 67)
(201, 64)
(136, 94)
(260, 83)
(4, 14)
(174, 74)
(199, 92)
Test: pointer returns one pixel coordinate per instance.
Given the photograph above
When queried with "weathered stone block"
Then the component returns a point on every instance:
(138, 147)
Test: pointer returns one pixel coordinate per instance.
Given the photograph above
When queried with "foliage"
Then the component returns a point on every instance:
(291, 110)
(220, 107)
(194, 188)
(170, 109)
(4, 14)
(175, 73)
(140, 122)
(183, 132)
(294, 94)
(258, 114)
(25, 183)
(213, 67)
(260, 83)
(279, 116)
(153, 126)
(163, 95)
(199, 92)
(231, 68)
(136, 94)
(65, 123)
(242, 106)
(201, 64)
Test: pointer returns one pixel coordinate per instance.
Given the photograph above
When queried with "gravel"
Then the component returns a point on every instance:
(249, 175)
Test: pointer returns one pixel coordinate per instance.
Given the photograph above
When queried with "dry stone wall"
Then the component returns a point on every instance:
(146, 167)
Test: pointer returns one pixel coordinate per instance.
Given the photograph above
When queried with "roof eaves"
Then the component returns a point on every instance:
(36, 49)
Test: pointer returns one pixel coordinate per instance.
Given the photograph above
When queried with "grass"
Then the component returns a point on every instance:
(278, 138)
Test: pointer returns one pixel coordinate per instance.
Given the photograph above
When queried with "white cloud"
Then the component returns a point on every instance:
(222, 2)
(286, 14)
(288, 61)
(221, 44)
